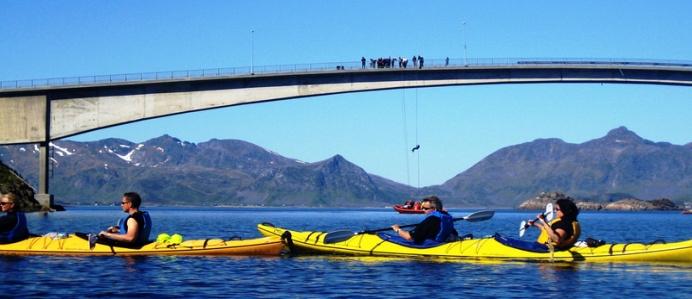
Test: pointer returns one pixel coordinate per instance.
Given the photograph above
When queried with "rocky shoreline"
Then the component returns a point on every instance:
(12, 182)
(628, 204)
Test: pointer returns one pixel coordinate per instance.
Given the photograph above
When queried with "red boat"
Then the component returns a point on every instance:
(412, 210)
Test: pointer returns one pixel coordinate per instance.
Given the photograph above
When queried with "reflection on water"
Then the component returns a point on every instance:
(328, 276)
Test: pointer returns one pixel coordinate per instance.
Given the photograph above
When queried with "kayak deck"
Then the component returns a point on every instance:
(484, 248)
(74, 245)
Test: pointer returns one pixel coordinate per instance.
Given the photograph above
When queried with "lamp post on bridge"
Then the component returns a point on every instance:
(463, 33)
(252, 51)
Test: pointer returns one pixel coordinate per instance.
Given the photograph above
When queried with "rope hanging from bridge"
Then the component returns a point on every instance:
(403, 116)
(416, 147)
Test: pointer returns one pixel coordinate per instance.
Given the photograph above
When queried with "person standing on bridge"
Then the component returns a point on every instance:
(415, 61)
(362, 61)
(420, 62)
(447, 61)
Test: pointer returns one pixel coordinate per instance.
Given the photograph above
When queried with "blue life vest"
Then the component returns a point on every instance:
(144, 227)
(19, 232)
(446, 225)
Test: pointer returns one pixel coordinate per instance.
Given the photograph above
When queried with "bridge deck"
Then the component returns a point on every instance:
(297, 69)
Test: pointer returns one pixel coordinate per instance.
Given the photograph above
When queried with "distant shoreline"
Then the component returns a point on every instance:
(499, 209)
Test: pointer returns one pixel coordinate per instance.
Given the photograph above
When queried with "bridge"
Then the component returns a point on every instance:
(42, 110)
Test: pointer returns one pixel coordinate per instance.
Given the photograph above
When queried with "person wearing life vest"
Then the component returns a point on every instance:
(13, 225)
(563, 231)
(132, 230)
(437, 226)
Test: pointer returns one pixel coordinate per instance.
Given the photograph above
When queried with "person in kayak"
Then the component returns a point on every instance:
(437, 226)
(13, 226)
(564, 230)
(132, 230)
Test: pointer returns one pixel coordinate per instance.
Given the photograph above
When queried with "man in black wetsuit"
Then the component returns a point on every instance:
(437, 226)
(13, 225)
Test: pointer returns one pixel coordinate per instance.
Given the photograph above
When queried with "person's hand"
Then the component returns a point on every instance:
(113, 229)
(102, 233)
(396, 228)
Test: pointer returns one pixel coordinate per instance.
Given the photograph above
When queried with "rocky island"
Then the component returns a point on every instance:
(626, 204)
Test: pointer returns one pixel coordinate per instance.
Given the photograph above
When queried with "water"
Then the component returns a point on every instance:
(340, 276)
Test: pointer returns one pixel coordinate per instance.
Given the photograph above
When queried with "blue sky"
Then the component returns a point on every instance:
(456, 126)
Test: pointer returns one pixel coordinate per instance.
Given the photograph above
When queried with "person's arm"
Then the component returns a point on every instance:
(420, 232)
(132, 230)
(402, 233)
(555, 235)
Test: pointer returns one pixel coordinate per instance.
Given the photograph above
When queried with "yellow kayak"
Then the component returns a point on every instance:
(484, 248)
(74, 245)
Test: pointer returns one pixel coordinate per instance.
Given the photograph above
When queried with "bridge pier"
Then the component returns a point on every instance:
(43, 197)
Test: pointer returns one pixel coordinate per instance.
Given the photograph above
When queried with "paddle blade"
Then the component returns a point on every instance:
(549, 212)
(522, 228)
(338, 236)
(479, 216)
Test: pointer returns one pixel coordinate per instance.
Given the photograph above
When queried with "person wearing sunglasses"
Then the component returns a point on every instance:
(13, 225)
(563, 231)
(132, 230)
(437, 226)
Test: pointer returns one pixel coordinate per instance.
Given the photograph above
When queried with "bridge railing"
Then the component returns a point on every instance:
(317, 67)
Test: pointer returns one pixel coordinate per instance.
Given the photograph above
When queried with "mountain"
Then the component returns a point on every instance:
(616, 166)
(169, 171)
(166, 170)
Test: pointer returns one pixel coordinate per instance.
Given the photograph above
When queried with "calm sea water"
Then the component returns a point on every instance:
(338, 276)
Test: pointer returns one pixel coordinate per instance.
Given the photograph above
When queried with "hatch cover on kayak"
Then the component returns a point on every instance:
(521, 244)
(401, 241)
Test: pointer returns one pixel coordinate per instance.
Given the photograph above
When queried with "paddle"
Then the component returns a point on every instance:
(342, 235)
(549, 213)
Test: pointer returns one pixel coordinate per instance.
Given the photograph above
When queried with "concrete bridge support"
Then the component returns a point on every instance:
(28, 117)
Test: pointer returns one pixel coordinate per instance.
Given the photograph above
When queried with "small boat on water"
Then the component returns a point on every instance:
(76, 245)
(408, 210)
(409, 207)
(687, 212)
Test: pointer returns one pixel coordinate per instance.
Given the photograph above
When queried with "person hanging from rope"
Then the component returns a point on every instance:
(417, 147)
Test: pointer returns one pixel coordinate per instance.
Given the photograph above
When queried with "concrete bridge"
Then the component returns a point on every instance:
(39, 111)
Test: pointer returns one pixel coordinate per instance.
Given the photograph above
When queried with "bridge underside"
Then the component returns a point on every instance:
(44, 115)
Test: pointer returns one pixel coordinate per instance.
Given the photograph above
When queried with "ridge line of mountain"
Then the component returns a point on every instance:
(226, 172)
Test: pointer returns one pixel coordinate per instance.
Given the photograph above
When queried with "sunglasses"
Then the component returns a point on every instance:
(426, 208)
(4, 203)
(124, 202)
